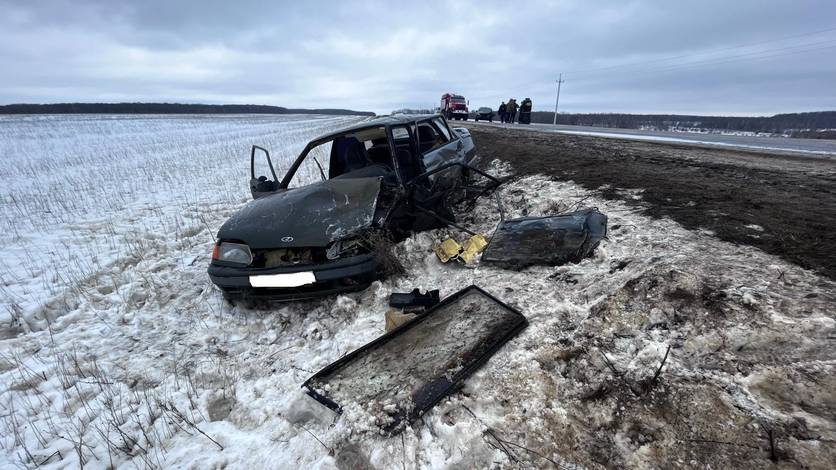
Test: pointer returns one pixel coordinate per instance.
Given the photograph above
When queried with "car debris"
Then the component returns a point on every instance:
(405, 306)
(548, 240)
(404, 373)
(381, 179)
(395, 317)
(415, 300)
(465, 252)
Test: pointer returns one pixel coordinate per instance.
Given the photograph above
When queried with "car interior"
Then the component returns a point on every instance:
(366, 153)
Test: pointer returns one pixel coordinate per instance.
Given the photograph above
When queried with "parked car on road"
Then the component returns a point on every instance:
(485, 114)
(378, 180)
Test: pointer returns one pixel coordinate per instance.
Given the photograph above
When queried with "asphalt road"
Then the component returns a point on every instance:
(808, 147)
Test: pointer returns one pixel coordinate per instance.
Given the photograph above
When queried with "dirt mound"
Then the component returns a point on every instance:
(712, 399)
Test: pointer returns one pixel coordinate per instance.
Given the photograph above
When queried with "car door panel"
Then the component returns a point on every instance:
(447, 153)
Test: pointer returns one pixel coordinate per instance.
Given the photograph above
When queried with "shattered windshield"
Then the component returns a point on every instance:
(411, 371)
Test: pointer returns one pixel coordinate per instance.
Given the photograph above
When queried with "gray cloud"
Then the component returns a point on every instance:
(385, 55)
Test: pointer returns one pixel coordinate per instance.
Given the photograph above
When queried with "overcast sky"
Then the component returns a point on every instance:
(617, 56)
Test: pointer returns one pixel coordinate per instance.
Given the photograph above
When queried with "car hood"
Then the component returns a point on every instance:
(310, 216)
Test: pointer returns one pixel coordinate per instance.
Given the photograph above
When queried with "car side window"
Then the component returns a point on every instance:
(400, 133)
(429, 137)
(443, 128)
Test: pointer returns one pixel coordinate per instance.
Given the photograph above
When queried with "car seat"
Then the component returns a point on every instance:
(426, 138)
(347, 154)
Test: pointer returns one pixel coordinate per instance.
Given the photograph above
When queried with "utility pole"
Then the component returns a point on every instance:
(559, 81)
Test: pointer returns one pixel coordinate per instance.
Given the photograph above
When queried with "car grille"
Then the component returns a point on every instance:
(301, 256)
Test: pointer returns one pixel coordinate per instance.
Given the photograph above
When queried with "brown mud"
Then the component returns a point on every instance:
(782, 204)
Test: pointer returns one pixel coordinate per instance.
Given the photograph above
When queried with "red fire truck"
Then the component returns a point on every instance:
(453, 106)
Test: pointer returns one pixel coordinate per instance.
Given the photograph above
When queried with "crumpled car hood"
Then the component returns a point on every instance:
(310, 216)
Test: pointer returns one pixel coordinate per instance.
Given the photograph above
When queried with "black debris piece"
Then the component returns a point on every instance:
(549, 240)
(404, 373)
(415, 300)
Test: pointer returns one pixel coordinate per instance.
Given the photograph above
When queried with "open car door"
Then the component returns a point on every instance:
(262, 185)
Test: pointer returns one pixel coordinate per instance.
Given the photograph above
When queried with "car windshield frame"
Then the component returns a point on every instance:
(291, 172)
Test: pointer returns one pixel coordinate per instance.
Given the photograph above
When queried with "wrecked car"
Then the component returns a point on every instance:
(378, 180)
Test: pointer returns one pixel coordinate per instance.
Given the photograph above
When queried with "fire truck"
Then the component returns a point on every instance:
(453, 106)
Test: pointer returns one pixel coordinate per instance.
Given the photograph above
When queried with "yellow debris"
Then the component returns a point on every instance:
(450, 249)
(472, 247)
(447, 250)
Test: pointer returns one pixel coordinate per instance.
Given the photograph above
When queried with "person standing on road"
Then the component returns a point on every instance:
(503, 113)
(525, 112)
(512, 110)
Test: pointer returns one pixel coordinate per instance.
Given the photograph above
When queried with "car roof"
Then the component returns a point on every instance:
(392, 120)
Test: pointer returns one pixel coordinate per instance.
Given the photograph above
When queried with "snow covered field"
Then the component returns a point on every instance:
(116, 351)
(82, 191)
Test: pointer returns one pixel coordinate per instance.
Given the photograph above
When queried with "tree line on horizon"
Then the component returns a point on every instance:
(810, 124)
(166, 108)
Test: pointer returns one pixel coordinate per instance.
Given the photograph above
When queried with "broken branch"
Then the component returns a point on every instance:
(659, 370)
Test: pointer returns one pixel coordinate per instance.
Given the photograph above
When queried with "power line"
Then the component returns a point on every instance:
(755, 56)
(724, 60)
(700, 53)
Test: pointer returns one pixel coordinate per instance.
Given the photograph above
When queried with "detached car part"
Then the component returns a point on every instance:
(414, 300)
(549, 240)
(404, 373)
(466, 252)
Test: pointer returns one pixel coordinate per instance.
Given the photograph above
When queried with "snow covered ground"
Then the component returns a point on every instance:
(82, 191)
(116, 351)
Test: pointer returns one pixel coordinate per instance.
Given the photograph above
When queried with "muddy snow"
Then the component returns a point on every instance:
(667, 348)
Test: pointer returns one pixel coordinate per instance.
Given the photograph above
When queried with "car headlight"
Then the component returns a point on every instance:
(237, 253)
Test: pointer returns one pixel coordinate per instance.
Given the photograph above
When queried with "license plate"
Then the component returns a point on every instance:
(283, 280)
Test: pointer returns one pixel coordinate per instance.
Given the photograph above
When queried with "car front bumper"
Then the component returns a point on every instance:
(344, 275)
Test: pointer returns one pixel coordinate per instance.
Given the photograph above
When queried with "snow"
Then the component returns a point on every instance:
(116, 350)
